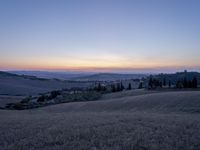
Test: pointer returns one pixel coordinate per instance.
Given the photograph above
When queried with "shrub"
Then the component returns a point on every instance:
(18, 106)
(54, 94)
(41, 98)
(26, 100)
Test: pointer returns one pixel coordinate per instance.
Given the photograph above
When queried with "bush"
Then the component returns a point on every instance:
(54, 94)
(41, 98)
(83, 96)
(18, 106)
(89, 96)
(26, 100)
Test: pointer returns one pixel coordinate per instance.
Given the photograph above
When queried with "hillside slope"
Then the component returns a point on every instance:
(146, 122)
(161, 102)
(52, 75)
(12, 84)
(109, 77)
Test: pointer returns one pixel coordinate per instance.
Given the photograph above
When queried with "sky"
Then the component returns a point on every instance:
(100, 35)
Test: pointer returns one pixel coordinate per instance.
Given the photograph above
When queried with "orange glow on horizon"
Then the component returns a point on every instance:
(95, 64)
(86, 68)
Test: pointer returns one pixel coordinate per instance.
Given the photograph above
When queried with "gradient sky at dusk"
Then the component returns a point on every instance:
(99, 35)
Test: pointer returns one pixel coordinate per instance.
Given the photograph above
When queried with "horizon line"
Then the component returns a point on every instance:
(121, 70)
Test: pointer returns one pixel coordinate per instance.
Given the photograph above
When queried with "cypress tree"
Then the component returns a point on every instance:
(140, 85)
(160, 84)
(118, 87)
(150, 82)
(99, 87)
(185, 83)
(169, 84)
(194, 82)
(113, 88)
(129, 86)
(164, 82)
(122, 87)
(189, 84)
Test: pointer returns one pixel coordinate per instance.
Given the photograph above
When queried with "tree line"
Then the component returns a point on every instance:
(186, 83)
(115, 87)
(182, 83)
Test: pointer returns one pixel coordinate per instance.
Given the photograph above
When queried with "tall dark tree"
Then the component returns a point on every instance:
(150, 84)
(104, 88)
(99, 87)
(169, 84)
(129, 86)
(140, 85)
(118, 87)
(194, 82)
(160, 84)
(122, 86)
(185, 83)
(164, 82)
(113, 88)
(189, 84)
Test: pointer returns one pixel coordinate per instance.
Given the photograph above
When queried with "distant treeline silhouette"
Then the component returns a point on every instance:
(117, 86)
(113, 87)
(185, 83)
(181, 83)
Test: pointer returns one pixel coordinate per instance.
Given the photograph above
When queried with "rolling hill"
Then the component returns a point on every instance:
(141, 100)
(150, 121)
(12, 84)
(82, 76)
(52, 75)
(109, 77)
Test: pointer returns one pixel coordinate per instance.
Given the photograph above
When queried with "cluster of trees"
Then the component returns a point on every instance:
(114, 87)
(100, 88)
(52, 95)
(129, 86)
(154, 83)
(117, 88)
(185, 83)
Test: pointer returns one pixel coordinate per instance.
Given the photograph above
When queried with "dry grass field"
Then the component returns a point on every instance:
(150, 121)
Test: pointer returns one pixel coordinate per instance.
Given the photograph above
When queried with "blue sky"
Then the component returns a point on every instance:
(102, 35)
